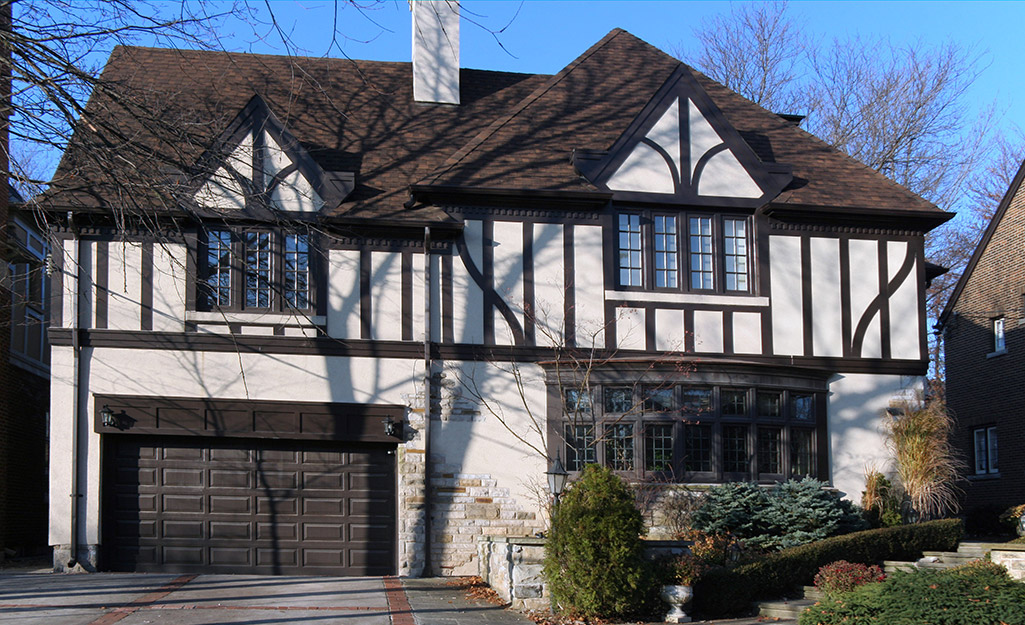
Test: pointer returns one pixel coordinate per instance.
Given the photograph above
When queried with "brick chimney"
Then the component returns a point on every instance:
(435, 51)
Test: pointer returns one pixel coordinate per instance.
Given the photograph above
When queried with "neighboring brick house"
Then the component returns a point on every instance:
(24, 385)
(983, 329)
(240, 373)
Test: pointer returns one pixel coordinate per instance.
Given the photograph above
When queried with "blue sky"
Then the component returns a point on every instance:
(543, 36)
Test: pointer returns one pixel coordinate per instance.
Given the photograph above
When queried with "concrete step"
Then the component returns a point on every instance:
(892, 566)
(813, 594)
(786, 608)
(950, 556)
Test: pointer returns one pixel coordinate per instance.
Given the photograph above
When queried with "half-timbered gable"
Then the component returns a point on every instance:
(399, 309)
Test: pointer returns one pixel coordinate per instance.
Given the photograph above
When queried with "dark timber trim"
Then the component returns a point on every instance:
(727, 332)
(330, 347)
(365, 299)
(487, 278)
(407, 296)
(884, 299)
(101, 280)
(529, 309)
(447, 314)
(146, 297)
(688, 330)
(224, 418)
(569, 286)
(806, 302)
(845, 296)
(56, 307)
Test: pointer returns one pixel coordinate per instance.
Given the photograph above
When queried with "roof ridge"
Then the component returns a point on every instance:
(535, 95)
(980, 248)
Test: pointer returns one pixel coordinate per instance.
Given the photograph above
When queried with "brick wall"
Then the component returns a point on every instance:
(984, 389)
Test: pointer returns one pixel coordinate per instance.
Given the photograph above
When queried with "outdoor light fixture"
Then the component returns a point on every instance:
(557, 475)
(108, 419)
(392, 427)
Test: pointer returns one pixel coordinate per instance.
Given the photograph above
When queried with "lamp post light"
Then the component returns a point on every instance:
(557, 475)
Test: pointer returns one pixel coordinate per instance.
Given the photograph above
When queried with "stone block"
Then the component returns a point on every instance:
(528, 591)
(528, 574)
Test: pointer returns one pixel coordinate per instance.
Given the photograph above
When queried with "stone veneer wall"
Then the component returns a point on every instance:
(1012, 558)
(463, 507)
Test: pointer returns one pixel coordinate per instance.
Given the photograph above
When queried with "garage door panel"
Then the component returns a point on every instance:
(220, 478)
(248, 506)
(183, 504)
(220, 504)
(279, 531)
(183, 529)
(183, 453)
(181, 477)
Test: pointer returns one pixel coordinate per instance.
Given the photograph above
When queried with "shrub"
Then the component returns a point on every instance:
(732, 508)
(978, 593)
(593, 559)
(728, 591)
(790, 514)
(843, 576)
(1010, 517)
(927, 465)
(880, 501)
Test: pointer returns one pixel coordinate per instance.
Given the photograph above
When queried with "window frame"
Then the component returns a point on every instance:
(29, 287)
(648, 237)
(238, 271)
(642, 416)
(998, 327)
(991, 450)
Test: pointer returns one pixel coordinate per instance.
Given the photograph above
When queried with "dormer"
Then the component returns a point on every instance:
(681, 150)
(257, 168)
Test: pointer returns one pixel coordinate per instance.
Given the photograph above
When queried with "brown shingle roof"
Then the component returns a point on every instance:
(512, 131)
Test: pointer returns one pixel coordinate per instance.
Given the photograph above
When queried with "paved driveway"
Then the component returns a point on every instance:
(137, 599)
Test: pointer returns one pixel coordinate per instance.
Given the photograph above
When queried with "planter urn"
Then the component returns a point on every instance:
(677, 596)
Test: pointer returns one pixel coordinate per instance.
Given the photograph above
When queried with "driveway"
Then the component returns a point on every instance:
(138, 599)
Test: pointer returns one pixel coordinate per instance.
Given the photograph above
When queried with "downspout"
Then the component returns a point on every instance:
(427, 399)
(76, 355)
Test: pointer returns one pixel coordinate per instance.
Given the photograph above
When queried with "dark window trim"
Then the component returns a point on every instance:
(641, 420)
(278, 304)
(683, 251)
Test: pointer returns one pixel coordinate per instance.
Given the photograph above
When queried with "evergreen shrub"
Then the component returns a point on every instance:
(721, 592)
(594, 561)
(979, 593)
(789, 514)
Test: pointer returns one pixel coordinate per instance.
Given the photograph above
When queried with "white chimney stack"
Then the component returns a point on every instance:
(435, 51)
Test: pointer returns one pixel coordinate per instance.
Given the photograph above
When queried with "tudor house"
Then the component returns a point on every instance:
(983, 326)
(623, 263)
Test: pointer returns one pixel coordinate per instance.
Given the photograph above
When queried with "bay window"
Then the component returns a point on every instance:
(692, 433)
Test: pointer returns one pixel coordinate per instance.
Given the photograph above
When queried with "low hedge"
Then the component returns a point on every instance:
(722, 592)
(980, 593)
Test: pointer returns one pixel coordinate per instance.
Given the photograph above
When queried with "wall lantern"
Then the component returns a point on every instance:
(557, 475)
(108, 419)
(392, 427)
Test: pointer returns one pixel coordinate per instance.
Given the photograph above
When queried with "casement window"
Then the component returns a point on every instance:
(986, 451)
(698, 253)
(255, 270)
(999, 340)
(29, 285)
(692, 433)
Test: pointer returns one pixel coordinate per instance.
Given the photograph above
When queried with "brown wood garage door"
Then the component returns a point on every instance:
(248, 506)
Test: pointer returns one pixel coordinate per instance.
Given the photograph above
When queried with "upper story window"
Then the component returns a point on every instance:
(999, 340)
(711, 252)
(29, 286)
(255, 270)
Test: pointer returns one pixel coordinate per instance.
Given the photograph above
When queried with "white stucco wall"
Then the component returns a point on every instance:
(856, 437)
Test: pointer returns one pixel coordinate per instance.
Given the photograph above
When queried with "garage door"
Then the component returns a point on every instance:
(248, 506)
